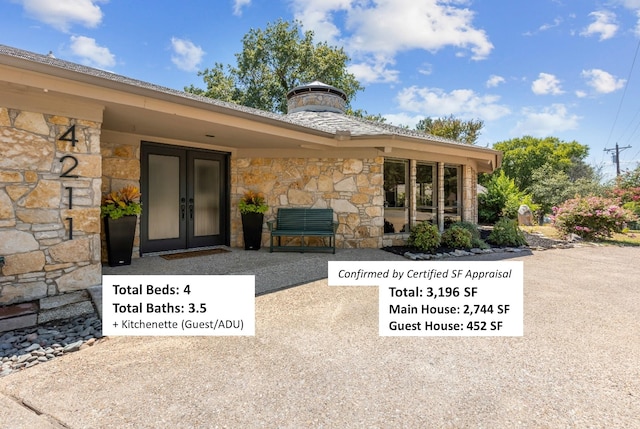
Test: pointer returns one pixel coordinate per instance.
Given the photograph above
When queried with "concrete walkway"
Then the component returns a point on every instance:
(317, 361)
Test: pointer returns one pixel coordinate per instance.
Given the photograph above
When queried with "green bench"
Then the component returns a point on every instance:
(303, 222)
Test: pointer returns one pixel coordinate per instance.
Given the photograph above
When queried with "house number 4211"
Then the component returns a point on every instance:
(68, 167)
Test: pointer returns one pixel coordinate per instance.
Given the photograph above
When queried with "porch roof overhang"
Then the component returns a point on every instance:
(125, 105)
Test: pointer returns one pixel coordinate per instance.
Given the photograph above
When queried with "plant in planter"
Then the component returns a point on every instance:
(252, 208)
(120, 210)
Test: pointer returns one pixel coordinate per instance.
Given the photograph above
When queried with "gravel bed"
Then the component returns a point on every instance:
(27, 347)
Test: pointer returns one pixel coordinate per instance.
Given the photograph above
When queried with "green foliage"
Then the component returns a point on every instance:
(629, 179)
(591, 218)
(252, 202)
(522, 156)
(363, 114)
(425, 236)
(121, 203)
(452, 128)
(551, 187)
(476, 241)
(457, 237)
(502, 199)
(274, 61)
(506, 233)
(469, 226)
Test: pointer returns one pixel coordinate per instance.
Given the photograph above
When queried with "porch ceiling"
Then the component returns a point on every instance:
(215, 130)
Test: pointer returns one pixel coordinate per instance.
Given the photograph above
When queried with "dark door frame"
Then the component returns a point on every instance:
(185, 154)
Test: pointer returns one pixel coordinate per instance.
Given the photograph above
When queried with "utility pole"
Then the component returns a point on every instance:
(616, 156)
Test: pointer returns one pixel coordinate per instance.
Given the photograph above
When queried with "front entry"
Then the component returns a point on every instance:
(184, 198)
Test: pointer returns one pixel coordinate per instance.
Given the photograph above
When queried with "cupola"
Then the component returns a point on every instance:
(316, 97)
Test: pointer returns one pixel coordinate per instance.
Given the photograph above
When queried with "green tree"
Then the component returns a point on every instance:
(452, 128)
(550, 188)
(502, 199)
(274, 61)
(363, 114)
(522, 156)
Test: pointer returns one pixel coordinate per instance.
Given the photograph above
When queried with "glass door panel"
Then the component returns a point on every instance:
(164, 197)
(185, 198)
(206, 185)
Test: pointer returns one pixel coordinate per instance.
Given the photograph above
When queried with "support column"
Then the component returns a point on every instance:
(411, 188)
(441, 200)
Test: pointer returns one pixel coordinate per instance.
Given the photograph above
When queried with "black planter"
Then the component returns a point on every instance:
(120, 233)
(252, 230)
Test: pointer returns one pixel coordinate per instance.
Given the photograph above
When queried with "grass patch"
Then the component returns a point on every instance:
(546, 230)
(629, 238)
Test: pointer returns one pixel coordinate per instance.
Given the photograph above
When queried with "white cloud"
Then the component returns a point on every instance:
(62, 14)
(556, 23)
(602, 81)
(238, 5)
(634, 6)
(404, 119)
(549, 121)
(90, 53)
(494, 80)
(546, 84)
(187, 56)
(374, 70)
(604, 25)
(464, 103)
(375, 32)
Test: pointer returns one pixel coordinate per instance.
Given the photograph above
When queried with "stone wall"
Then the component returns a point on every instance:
(120, 168)
(469, 194)
(351, 187)
(42, 257)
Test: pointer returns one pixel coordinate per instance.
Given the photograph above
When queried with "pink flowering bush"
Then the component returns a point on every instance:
(591, 218)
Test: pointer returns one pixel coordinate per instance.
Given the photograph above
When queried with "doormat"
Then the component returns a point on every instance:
(194, 253)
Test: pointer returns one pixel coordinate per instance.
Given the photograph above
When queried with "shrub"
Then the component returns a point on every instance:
(425, 237)
(633, 207)
(502, 199)
(506, 233)
(591, 218)
(457, 237)
(476, 241)
(469, 226)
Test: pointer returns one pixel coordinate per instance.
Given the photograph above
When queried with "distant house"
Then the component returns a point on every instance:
(186, 150)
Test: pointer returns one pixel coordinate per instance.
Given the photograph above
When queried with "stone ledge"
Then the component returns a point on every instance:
(18, 322)
(66, 312)
(58, 307)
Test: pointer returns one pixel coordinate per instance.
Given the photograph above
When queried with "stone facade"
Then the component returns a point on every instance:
(120, 168)
(49, 224)
(353, 188)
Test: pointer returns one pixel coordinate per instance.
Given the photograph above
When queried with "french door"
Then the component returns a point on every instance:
(184, 198)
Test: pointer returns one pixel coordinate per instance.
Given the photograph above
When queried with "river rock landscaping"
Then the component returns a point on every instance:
(24, 348)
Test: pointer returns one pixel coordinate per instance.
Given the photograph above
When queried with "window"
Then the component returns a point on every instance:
(426, 193)
(452, 194)
(400, 187)
(395, 195)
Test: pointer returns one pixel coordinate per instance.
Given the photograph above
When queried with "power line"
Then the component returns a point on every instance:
(626, 85)
(616, 155)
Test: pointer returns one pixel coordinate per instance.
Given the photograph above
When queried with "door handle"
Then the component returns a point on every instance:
(183, 207)
(191, 208)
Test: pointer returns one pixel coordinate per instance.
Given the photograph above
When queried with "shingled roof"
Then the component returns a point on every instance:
(329, 122)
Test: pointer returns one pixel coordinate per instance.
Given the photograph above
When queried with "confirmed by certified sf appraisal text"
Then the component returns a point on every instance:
(178, 305)
(443, 298)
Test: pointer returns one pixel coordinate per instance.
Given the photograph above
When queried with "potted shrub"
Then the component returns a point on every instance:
(120, 210)
(252, 208)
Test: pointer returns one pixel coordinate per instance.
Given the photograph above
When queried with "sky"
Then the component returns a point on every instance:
(560, 68)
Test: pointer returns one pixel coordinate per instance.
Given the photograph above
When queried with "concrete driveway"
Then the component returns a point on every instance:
(317, 361)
